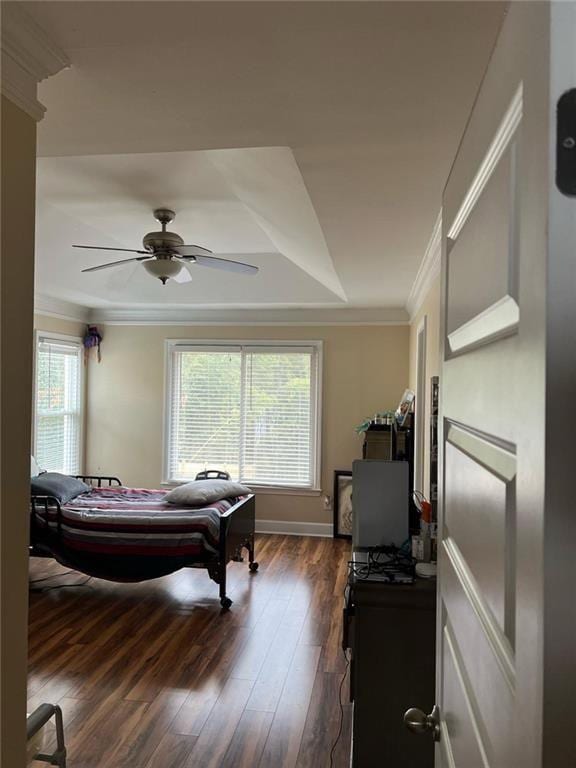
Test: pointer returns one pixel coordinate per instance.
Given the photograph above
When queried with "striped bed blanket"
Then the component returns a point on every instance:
(135, 522)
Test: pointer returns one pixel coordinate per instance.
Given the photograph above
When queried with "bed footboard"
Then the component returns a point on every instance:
(237, 527)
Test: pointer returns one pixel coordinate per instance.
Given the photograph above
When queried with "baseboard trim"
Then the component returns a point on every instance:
(294, 528)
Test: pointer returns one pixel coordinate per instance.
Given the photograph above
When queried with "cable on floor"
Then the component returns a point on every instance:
(341, 725)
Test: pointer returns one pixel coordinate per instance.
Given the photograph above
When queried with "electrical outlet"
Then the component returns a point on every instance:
(327, 501)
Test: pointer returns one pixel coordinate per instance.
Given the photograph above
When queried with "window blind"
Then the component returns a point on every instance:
(277, 412)
(250, 410)
(58, 405)
(205, 413)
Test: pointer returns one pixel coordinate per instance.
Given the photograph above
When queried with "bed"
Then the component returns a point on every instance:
(132, 534)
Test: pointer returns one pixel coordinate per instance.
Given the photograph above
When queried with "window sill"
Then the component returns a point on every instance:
(263, 490)
(284, 491)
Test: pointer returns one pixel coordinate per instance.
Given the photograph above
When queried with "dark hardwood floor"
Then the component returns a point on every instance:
(153, 675)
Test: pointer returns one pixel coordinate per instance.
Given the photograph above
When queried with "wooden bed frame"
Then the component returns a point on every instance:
(237, 526)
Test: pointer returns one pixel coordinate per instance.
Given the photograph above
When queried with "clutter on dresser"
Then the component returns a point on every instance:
(405, 407)
(424, 542)
(391, 565)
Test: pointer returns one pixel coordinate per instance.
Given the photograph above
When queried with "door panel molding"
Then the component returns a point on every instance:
(499, 145)
(473, 715)
(496, 455)
(491, 311)
(446, 746)
(496, 321)
(499, 458)
(479, 506)
(497, 640)
(483, 659)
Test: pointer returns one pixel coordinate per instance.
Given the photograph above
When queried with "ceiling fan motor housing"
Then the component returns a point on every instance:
(162, 244)
(162, 241)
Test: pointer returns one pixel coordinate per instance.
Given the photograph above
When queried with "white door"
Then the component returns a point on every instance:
(506, 643)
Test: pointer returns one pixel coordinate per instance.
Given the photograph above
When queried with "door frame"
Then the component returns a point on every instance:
(421, 404)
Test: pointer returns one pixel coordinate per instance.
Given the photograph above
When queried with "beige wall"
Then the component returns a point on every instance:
(365, 370)
(16, 307)
(69, 328)
(430, 309)
(56, 325)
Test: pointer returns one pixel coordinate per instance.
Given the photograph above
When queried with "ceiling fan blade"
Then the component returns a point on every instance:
(104, 248)
(227, 265)
(118, 263)
(184, 275)
(192, 250)
(119, 279)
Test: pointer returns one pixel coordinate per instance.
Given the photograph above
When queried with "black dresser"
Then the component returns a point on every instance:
(389, 630)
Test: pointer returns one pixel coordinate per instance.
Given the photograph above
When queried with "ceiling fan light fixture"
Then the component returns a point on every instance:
(163, 269)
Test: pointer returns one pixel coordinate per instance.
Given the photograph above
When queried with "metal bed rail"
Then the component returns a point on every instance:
(46, 503)
(99, 480)
(50, 502)
(37, 720)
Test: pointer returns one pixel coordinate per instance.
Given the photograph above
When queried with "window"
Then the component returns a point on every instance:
(58, 412)
(250, 409)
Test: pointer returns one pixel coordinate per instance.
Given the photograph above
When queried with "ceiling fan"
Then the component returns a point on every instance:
(165, 254)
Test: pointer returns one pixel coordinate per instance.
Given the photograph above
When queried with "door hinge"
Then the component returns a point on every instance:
(566, 143)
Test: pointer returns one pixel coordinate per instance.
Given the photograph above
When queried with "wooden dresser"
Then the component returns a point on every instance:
(390, 633)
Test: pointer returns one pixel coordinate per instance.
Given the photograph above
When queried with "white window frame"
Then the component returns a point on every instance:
(76, 340)
(217, 345)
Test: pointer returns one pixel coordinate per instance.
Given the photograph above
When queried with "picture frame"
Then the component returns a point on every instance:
(342, 504)
(405, 407)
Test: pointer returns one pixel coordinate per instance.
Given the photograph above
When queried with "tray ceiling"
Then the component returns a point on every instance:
(365, 102)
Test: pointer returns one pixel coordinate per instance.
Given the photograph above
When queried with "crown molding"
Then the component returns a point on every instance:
(428, 271)
(190, 316)
(226, 317)
(63, 310)
(28, 57)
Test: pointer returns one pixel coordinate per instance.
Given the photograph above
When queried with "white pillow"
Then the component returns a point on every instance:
(201, 492)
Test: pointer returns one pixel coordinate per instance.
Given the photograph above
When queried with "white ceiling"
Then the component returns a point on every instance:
(361, 106)
(249, 205)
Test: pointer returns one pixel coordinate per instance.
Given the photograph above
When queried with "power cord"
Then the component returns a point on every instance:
(391, 562)
(341, 725)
